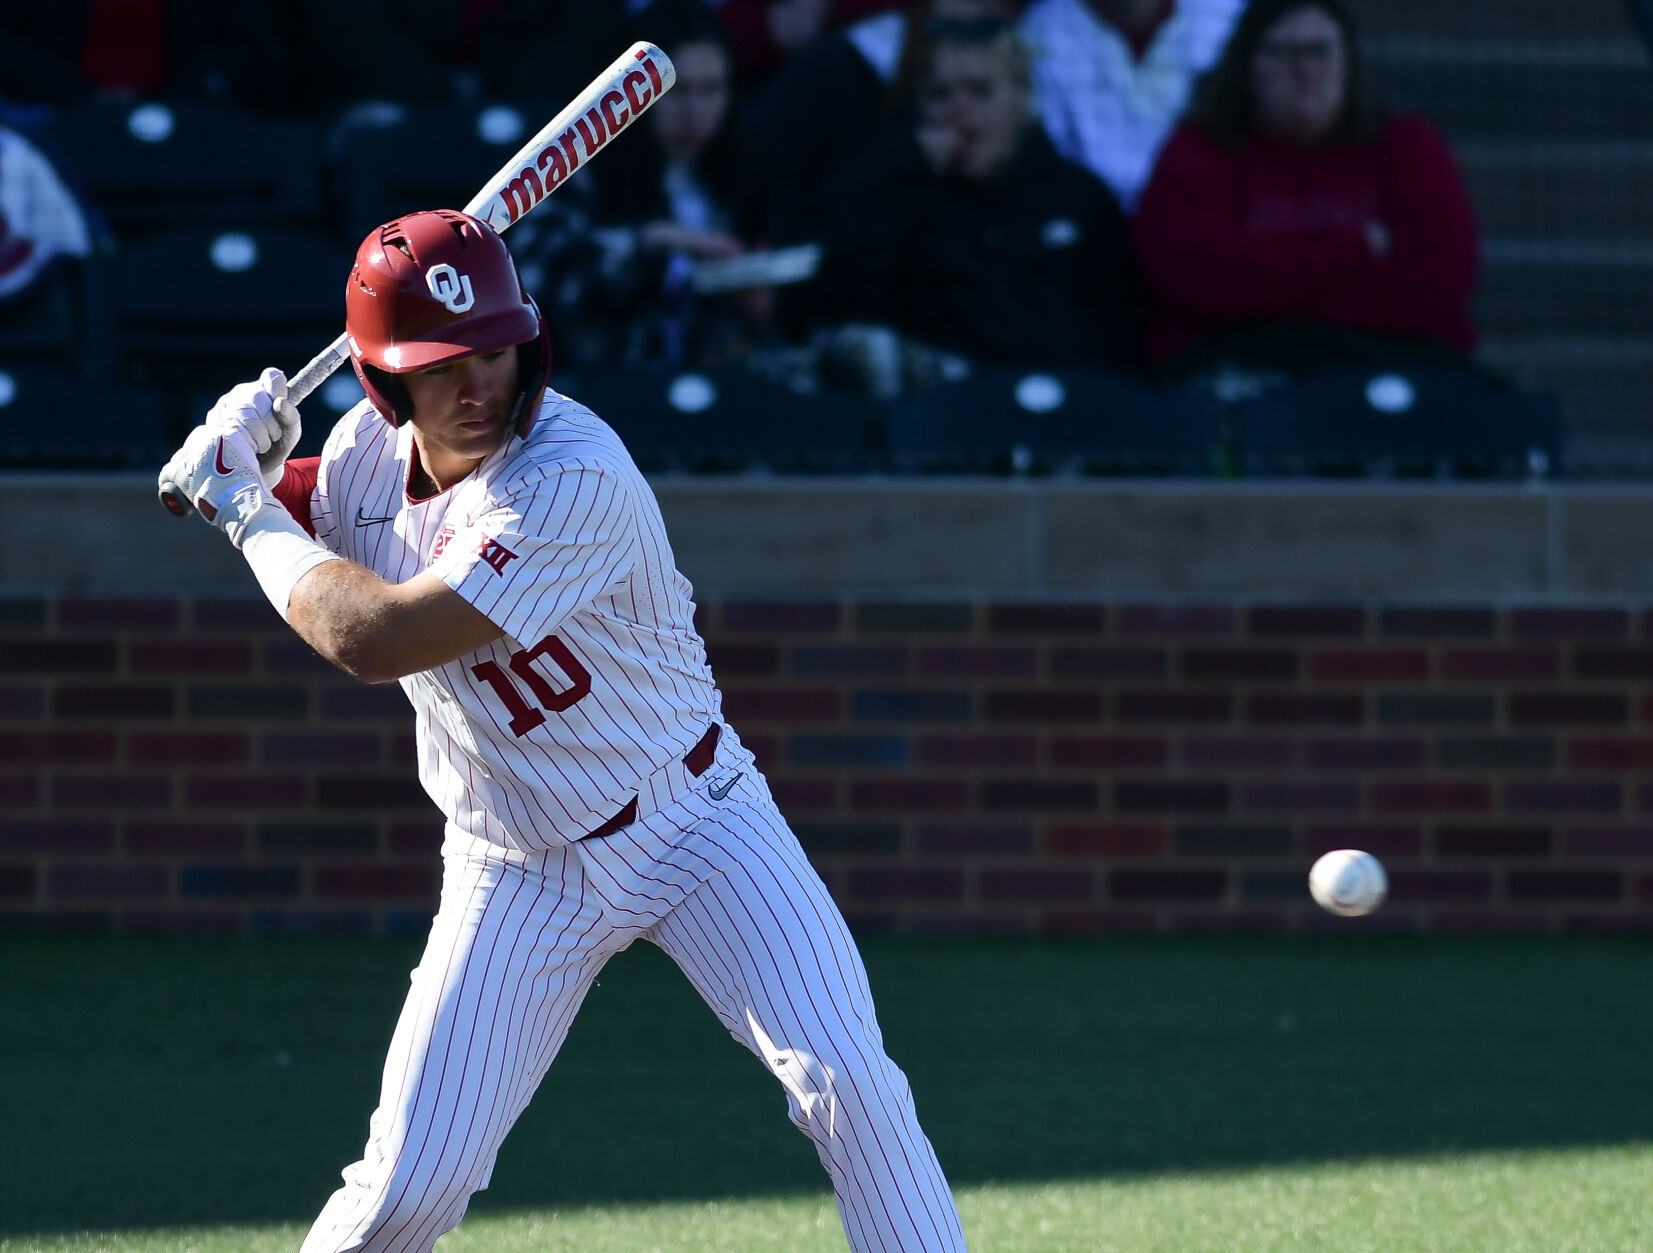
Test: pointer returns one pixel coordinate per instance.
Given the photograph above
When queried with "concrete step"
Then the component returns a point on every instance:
(1509, 100)
(1605, 384)
(1539, 21)
(1588, 191)
(1549, 289)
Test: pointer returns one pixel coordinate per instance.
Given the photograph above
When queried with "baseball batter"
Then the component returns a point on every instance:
(492, 546)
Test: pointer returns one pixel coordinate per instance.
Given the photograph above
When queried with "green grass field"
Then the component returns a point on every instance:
(1194, 1094)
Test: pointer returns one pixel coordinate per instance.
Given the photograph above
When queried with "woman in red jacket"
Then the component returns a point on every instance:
(1291, 224)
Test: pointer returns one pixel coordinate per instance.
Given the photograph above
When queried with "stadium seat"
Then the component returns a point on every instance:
(200, 307)
(388, 170)
(1431, 420)
(153, 163)
(52, 417)
(1090, 420)
(728, 419)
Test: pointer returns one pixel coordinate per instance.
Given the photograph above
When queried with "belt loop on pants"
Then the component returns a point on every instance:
(698, 760)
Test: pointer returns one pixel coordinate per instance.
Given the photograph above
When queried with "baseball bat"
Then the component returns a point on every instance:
(587, 124)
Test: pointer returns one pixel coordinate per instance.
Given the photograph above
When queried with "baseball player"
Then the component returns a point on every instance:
(491, 545)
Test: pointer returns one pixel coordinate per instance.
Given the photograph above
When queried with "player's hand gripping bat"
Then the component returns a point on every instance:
(611, 102)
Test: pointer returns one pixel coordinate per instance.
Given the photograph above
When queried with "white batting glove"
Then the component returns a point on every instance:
(261, 412)
(217, 472)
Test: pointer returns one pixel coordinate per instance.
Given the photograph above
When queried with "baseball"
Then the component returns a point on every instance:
(1349, 882)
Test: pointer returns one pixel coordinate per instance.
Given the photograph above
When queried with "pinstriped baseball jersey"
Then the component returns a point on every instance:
(600, 684)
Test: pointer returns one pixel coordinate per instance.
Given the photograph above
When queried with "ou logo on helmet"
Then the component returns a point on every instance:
(450, 287)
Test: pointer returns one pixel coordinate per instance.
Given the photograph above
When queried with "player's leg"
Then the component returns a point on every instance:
(766, 947)
(510, 957)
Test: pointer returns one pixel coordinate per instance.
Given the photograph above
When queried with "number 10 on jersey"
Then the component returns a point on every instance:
(525, 717)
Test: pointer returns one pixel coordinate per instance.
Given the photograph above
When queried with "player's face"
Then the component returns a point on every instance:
(461, 411)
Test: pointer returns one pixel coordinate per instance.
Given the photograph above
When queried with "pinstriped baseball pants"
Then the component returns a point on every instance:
(725, 890)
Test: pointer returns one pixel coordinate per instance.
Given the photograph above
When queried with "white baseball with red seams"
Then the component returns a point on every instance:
(588, 707)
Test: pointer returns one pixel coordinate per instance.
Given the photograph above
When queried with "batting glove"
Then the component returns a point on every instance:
(218, 473)
(261, 412)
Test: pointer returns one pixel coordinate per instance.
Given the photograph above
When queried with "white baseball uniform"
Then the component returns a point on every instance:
(593, 797)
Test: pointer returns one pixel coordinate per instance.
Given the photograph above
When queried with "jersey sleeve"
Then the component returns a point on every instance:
(298, 483)
(543, 550)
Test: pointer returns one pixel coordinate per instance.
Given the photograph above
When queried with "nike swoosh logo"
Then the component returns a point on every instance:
(722, 790)
(363, 520)
(218, 459)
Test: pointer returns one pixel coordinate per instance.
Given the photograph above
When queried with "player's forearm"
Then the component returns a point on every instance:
(346, 613)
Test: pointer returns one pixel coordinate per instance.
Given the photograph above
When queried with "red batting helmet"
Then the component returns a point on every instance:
(437, 286)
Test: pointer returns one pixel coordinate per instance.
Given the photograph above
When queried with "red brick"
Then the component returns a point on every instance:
(190, 657)
(1106, 840)
(793, 617)
(908, 618)
(909, 794)
(975, 839)
(371, 792)
(1177, 620)
(1594, 624)
(904, 883)
(415, 837)
(115, 614)
(848, 661)
(246, 792)
(976, 750)
(1379, 839)
(1109, 751)
(1303, 708)
(783, 704)
(1250, 752)
(288, 657)
(22, 703)
(1493, 664)
(1042, 706)
(951, 923)
(766, 748)
(1167, 885)
(1609, 842)
(1567, 708)
(1278, 797)
(1109, 663)
(1607, 924)
(20, 748)
(743, 659)
(103, 791)
(56, 837)
(1175, 707)
(1254, 922)
(1611, 754)
(1613, 663)
(983, 663)
(49, 655)
(1306, 620)
(17, 883)
(796, 794)
(189, 748)
(1425, 795)
(404, 750)
(1098, 924)
(1493, 842)
(19, 791)
(1194, 796)
(1563, 796)
(1488, 922)
(1440, 885)
(180, 922)
(249, 615)
(80, 883)
(1369, 665)
(364, 881)
(1367, 754)
(1040, 795)
(1045, 619)
(185, 837)
(1216, 664)
(1565, 885)
(1036, 885)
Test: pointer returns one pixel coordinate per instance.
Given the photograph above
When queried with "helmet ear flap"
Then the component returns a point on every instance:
(387, 392)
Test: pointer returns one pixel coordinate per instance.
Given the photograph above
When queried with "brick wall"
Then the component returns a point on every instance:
(190, 765)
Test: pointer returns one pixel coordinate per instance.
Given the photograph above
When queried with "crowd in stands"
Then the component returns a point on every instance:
(1163, 189)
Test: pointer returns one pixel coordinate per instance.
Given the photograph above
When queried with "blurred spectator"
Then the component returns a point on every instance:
(1112, 77)
(1291, 224)
(615, 276)
(63, 52)
(836, 98)
(40, 218)
(969, 233)
(421, 52)
(765, 34)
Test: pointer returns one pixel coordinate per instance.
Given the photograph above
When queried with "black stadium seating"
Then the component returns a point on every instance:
(50, 417)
